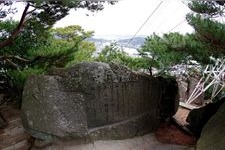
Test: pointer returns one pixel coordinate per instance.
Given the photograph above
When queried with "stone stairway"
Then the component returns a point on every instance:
(13, 136)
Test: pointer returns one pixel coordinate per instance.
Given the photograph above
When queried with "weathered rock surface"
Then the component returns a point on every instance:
(197, 118)
(169, 102)
(91, 101)
(48, 109)
(213, 133)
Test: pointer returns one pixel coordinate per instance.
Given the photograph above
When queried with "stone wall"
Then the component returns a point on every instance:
(91, 101)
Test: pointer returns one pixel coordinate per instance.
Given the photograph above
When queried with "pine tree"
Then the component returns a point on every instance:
(209, 29)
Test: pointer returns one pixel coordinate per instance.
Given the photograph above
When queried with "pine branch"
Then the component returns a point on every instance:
(17, 30)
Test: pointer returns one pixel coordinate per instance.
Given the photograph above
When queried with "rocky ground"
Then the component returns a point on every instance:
(167, 137)
(146, 142)
(13, 136)
(175, 131)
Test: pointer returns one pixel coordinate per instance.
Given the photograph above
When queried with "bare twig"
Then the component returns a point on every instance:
(12, 64)
(15, 57)
(30, 11)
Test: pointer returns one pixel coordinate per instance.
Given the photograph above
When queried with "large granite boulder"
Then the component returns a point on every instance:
(91, 100)
(213, 133)
(197, 118)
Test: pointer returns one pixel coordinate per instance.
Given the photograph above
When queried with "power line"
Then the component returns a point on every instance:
(179, 22)
(165, 19)
(165, 4)
(144, 23)
(177, 25)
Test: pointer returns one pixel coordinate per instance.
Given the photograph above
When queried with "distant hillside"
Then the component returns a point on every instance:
(97, 40)
(135, 43)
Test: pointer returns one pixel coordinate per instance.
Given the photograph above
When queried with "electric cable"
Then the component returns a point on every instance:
(177, 25)
(144, 23)
(165, 19)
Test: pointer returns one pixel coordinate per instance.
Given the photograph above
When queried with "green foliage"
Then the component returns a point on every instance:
(66, 46)
(47, 13)
(208, 30)
(175, 48)
(112, 53)
(19, 77)
(211, 8)
(85, 53)
(24, 41)
(72, 33)
(207, 40)
(32, 47)
(61, 47)
(165, 51)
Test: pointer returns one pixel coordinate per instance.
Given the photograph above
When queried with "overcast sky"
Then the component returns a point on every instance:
(127, 16)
